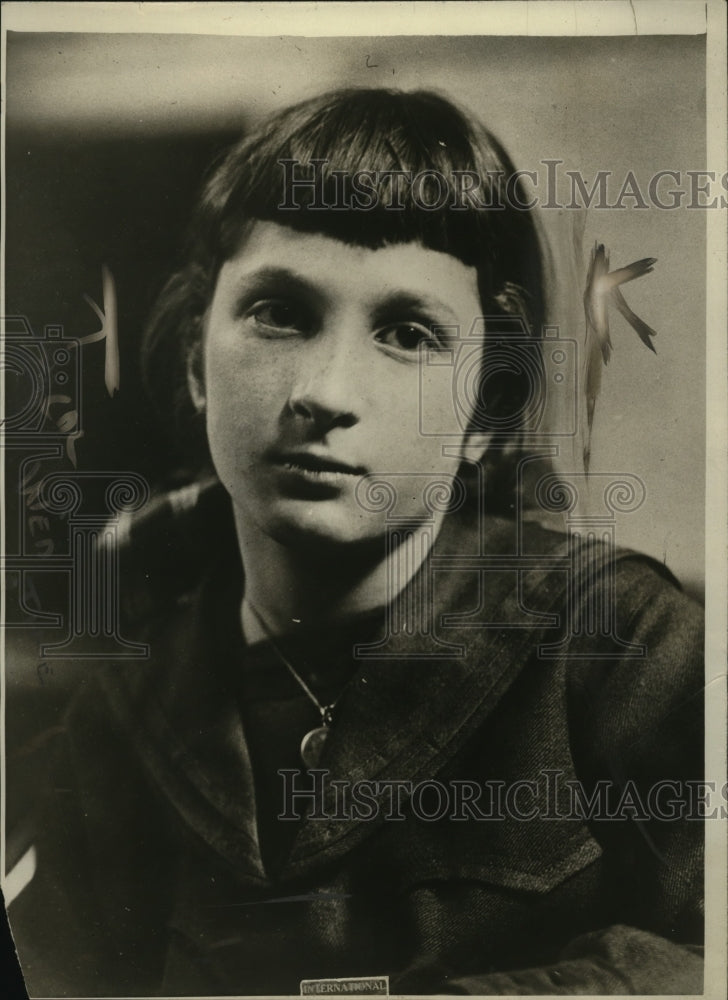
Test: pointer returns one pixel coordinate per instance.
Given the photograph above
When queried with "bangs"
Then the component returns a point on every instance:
(370, 168)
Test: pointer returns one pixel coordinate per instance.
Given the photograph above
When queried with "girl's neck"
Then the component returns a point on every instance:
(290, 586)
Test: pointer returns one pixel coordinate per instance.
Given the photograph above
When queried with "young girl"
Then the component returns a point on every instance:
(378, 734)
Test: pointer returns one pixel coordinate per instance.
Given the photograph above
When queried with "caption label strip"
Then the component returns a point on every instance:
(363, 986)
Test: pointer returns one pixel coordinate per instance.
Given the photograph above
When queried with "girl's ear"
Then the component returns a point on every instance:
(196, 377)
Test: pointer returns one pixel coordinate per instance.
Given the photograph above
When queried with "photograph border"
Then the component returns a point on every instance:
(542, 17)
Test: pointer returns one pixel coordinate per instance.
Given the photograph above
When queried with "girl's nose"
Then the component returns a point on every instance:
(328, 383)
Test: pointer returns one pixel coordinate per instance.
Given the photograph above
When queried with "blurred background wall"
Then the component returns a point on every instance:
(108, 137)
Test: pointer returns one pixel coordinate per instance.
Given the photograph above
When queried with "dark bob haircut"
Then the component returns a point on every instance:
(333, 165)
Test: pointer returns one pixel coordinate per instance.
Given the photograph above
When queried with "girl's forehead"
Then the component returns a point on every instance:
(271, 252)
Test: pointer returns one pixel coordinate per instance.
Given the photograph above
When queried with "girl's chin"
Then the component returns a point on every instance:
(319, 530)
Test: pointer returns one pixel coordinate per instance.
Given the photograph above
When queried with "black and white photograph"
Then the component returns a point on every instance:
(364, 440)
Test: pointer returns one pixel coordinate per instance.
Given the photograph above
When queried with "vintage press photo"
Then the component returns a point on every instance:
(360, 512)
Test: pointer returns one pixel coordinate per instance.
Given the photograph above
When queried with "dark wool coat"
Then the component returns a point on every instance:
(150, 879)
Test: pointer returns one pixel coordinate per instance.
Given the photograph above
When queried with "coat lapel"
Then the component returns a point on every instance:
(404, 717)
(181, 714)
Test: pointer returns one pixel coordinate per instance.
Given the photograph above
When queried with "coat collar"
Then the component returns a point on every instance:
(415, 700)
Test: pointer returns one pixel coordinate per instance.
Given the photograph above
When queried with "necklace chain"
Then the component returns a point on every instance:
(325, 710)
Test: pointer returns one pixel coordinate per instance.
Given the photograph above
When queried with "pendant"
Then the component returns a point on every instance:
(312, 746)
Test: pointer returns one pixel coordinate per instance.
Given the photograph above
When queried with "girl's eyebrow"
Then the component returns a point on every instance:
(263, 278)
(400, 301)
(427, 306)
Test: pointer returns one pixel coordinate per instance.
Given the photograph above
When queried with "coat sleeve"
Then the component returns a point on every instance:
(56, 922)
(636, 724)
(89, 921)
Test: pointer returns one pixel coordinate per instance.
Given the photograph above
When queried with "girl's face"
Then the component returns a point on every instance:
(314, 376)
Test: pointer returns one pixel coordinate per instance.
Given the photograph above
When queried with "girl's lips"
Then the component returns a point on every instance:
(316, 464)
(315, 469)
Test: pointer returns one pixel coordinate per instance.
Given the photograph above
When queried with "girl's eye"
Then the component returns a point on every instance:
(281, 315)
(406, 336)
